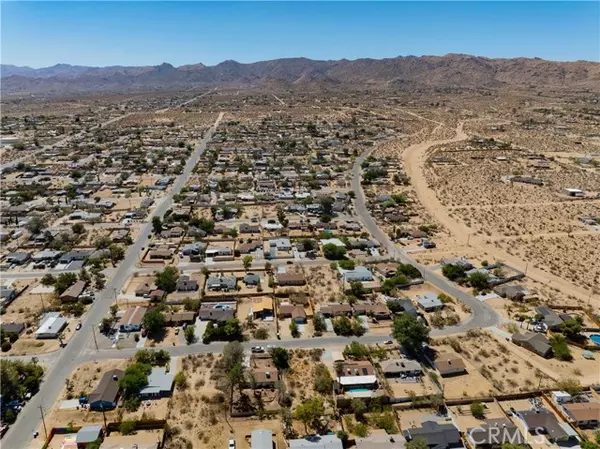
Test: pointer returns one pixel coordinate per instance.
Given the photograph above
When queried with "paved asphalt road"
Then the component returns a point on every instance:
(482, 315)
(80, 348)
(20, 433)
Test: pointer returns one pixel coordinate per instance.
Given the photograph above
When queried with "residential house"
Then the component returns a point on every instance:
(263, 309)
(251, 279)
(514, 292)
(261, 439)
(179, 318)
(552, 319)
(144, 290)
(357, 375)
(437, 436)
(160, 384)
(87, 435)
(317, 442)
(132, 319)
(377, 311)
(290, 279)
(295, 312)
(75, 255)
(51, 325)
(386, 269)
(495, 433)
(12, 328)
(401, 368)
(542, 421)
(449, 365)
(185, 284)
(216, 251)
(18, 258)
(73, 293)
(336, 310)
(584, 414)
(247, 248)
(157, 295)
(7, 295)
(404, 304)
(162, 252)
(247, 228)
(193, 249)
(429, 302)
(217, 312)
(381, 441)
(221, 283)
(104, 397)
(536, 343)
(359, 273)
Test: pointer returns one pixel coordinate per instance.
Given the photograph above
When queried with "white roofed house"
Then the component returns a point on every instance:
(51, 326)
(160, 384)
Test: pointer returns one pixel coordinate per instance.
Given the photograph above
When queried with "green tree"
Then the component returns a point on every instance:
(560, 347)
(153, 321)
(181, 380)
(127, 427)
(479, 280)
(323, 380)
(359, 407)
(64, 281)
(157, 225)
(319, 323)
(294, 329)
(572, 327)
(233, 353)
(454, 272)
(78, 228)
(247, 262)
(48, 280)
(235, 377)
(333, 252)
(357, 351)
(116, 253)
(135, 379)
(167, 279)
(310, 411)
(357, 289)
(36, 224)
(478, 410)
(347, 264)
(570, 385)
(281, 358)
(190, 334)
(342, 326)
(410, 332)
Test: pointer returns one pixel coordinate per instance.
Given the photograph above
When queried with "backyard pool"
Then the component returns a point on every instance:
(364, 390)
(595, 338)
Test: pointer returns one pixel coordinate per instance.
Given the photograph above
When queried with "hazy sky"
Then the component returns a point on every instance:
(147, 33)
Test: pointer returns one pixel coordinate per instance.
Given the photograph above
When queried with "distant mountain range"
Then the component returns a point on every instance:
(452, 70)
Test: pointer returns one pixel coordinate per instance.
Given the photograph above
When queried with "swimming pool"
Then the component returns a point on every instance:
(595, 338)
(358, 390)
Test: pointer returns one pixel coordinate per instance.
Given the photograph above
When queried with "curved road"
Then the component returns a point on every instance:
(482, 315)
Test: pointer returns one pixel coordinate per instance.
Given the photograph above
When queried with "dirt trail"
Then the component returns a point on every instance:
(414, 158)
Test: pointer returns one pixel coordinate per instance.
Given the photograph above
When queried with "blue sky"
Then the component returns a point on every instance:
(147, 33)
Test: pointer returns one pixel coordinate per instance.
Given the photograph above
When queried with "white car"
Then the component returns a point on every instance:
(231, 443)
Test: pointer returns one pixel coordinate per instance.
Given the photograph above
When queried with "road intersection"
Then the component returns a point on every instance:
(61, 363)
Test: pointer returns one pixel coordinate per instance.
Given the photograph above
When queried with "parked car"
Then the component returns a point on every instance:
(78, 326)
(231, 443)
(257, 349)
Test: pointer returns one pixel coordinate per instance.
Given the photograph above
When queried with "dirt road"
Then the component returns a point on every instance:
(414, 158)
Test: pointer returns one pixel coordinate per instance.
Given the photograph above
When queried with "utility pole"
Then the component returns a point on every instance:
(42, 299)
(468, 238)
(43, 421)
(94, 334)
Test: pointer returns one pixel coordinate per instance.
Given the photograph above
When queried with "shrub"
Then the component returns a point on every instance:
(6, 346)
(127, 427)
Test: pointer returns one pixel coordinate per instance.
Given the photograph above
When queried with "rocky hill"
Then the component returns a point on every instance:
(452, 70)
